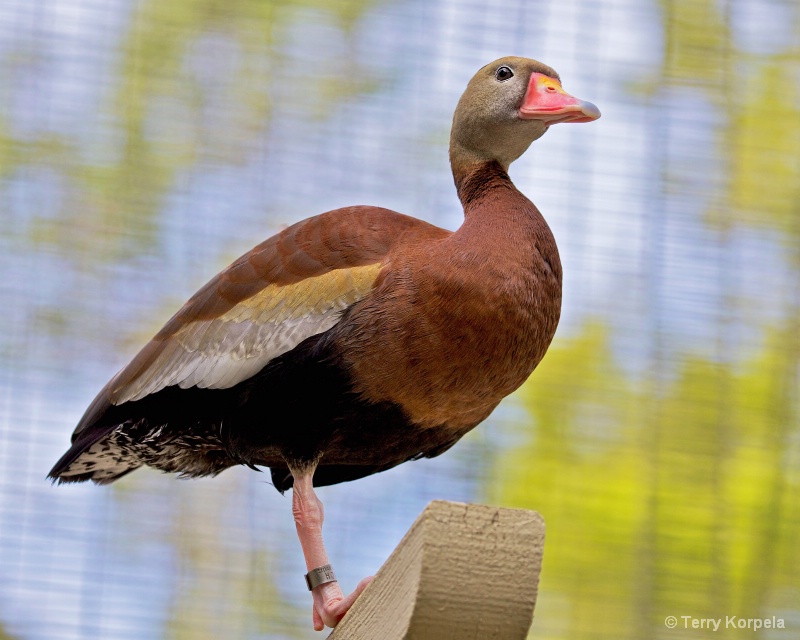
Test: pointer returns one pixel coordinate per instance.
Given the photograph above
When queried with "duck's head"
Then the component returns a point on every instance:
(507, 105)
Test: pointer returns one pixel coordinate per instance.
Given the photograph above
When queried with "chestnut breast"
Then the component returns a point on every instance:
(457, 324)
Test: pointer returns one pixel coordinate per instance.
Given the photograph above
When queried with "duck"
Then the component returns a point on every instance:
(355, 340)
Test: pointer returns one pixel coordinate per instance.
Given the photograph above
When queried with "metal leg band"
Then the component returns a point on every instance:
(320, 575)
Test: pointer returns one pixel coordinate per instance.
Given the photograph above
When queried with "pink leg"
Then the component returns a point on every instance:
(330, 605)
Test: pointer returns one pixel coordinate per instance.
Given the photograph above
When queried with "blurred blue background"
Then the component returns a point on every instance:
(145, 144)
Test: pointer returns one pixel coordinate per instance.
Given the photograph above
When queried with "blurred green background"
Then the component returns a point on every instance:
(145, 144)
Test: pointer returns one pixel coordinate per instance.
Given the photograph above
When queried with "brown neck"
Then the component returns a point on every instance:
(477, 181)
(491, 202)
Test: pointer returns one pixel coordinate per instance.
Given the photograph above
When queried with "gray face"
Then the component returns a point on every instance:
(487, 124)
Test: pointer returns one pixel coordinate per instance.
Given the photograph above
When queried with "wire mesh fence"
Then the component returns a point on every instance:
(146, 144)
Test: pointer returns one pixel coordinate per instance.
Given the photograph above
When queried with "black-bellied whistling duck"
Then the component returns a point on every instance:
(355, 340)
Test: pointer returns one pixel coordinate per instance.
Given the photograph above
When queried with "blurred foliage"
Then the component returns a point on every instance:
(679, 493)
(677, 500)
(762, 139)
(697, 42)
(757, 99)
(195, 78)
(4, 635)
(225, 587)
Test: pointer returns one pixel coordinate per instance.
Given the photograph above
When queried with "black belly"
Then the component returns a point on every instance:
(302, 407)
(298, 411)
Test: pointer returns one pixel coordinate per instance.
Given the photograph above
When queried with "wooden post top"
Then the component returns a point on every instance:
(462, 571)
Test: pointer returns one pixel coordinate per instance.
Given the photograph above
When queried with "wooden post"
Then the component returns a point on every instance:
(462, 571)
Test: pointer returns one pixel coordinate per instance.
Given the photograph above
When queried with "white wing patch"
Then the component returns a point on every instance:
(221, 352)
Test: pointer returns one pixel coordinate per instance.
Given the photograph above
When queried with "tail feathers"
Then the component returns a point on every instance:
(95, 476)
(106, 454)
(95, 456)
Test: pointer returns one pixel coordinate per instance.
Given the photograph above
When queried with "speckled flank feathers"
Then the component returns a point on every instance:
(130, 445)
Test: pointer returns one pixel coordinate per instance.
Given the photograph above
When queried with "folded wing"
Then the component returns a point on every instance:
(290, 287)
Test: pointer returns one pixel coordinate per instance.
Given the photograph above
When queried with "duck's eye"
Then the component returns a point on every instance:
(503, 74)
